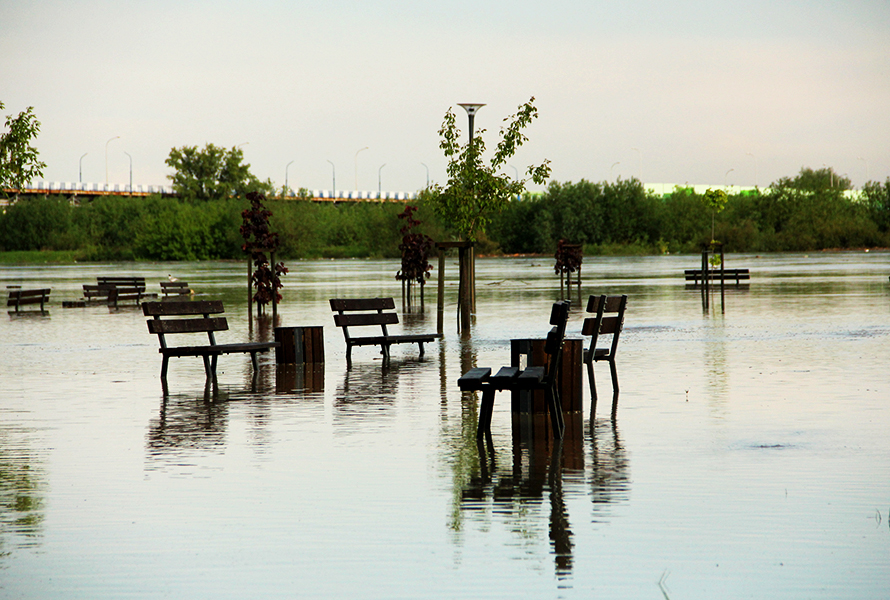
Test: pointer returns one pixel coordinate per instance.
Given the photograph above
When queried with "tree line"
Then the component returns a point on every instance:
(803, 213)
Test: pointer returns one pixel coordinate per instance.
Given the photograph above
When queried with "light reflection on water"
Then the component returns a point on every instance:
(749, 457)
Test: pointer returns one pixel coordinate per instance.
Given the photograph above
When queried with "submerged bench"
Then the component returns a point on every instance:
(531, 378)
(695, 275)
(19, 298)
(199, 320)
(362, 312)
(175, 288)
(115, 289)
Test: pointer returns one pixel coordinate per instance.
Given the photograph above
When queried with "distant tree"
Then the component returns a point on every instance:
(212, 173)
(475, 191)
(877, 202)
(18, 158)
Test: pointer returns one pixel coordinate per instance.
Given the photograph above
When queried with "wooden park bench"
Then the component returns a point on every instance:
(695, 275)
(198, 320)
(116, 289)
(609, 320)
(362, 312)
(530, 378)
(19, 297)
(175, 288)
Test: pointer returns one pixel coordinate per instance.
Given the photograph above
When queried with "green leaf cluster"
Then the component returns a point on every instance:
(19, 162)
(475, 190)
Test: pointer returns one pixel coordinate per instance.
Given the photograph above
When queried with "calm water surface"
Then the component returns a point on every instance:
(749, 458)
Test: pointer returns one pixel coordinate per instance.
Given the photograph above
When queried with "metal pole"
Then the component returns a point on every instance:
(131, 171)
(106, 156)
(356, 166)
(80, 169)
(378, 180)
(285, 178)
(333, 180)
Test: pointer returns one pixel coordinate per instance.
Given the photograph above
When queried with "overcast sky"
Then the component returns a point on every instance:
(705, 92)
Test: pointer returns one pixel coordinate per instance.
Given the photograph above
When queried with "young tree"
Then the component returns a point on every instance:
(475, 191)
(212, 173)
(259, 240)
(18, 158)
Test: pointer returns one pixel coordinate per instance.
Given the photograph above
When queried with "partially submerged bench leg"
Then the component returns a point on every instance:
(485, 410)
(164, 361)
(591, 380)
(556, 419)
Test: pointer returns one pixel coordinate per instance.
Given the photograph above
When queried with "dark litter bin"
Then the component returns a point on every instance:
(299, 345)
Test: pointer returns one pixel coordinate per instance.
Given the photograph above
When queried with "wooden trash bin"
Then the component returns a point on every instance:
(530, 353)
(299, 345)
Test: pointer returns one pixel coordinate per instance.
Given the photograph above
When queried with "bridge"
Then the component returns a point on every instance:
(77, 190)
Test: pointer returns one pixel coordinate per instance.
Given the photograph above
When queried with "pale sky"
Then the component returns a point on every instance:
(687, 91)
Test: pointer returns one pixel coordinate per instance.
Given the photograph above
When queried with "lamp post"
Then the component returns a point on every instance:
(612, 168)
(427, 175)
(106, 156)
(468, 302)
(725, 175)
(641, 163)
(333, 180)
(755, 166)
(378, 180)
(356, 166)
(471, 109)
(285, 178)
(80, 168)
(131, 171)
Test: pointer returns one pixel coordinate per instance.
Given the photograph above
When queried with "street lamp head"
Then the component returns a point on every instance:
(471, 108)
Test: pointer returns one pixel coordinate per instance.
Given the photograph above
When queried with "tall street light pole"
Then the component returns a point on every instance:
(333, 180)
(106, 156)
(378, 180)
(131, 171)
(427, 175)
(612, 168)
(356, 166)
(80, 168)
(286, 190)
(725, 176)
(468, 302)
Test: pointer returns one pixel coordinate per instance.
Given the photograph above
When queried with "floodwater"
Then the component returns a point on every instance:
(749, 457)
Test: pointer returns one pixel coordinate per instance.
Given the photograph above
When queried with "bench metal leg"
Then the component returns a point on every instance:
(164, 362)
(556, 419)
(592, 382)
(256, 366)
(421, 347)
(614, 370)
(485, 410)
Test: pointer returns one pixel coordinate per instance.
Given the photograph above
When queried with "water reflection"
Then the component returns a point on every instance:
(541, 466)
(609, 474)
(22, 484)
(187, 423)
(370, 389)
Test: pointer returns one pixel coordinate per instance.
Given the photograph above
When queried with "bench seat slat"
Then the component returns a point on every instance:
(473, 379)
(218, 349)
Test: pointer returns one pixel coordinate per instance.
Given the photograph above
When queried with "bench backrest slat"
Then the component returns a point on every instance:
(358, 304)
(119, 281)
(199, 325)
(359, 320)
(198, 307)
